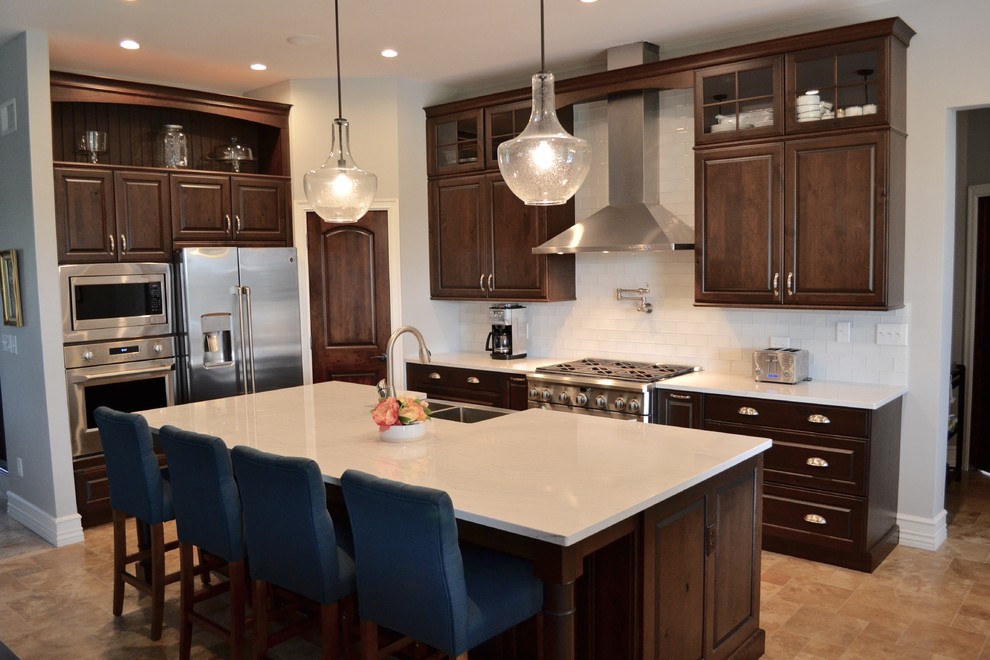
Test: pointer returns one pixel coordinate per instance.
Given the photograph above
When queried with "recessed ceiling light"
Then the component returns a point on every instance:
(390, 52)
(130, 44)
(304, 39)
(259, 67)
(588, 2)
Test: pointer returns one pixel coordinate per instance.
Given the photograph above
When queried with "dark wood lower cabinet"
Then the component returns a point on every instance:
(682, 582)
(464, 385)
(93, 489)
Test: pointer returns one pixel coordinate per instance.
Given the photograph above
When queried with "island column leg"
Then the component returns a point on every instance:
(558, 621)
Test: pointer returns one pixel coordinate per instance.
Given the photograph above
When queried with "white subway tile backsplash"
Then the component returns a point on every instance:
(717, 339)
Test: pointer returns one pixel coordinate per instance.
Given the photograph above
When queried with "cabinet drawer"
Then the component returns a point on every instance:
(429, 377)
(811, 517)
(808, 417)
(813, 461)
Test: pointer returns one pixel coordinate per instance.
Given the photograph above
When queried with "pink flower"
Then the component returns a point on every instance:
(386, 413)
(404, 410)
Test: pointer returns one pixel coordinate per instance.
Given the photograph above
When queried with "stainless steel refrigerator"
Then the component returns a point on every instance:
(238, 316)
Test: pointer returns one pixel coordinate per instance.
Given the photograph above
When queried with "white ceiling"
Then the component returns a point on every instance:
(209, 44)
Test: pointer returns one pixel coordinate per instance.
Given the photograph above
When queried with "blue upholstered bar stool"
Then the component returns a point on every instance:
(415, 579)
(208, 518)
(137, 488)
(293, 544)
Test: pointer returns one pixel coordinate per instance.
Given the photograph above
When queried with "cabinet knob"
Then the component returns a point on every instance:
(815, 461)
(679, 397)
(123, 244)
(434, 375)
(472, 380)
(819, 419)
(750, 412)
(113, 245)
(814, 519)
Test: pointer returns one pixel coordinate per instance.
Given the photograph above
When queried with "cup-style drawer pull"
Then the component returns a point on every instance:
(472, 380)
(751, 412)
(819, 419)
(814, 519)
(434, 375)
(682, 397)
(814, 461)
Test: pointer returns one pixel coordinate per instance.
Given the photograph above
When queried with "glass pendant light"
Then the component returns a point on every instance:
(544, 165)
(340, 191)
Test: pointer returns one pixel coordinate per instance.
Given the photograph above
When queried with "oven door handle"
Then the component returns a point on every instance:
(130, 374)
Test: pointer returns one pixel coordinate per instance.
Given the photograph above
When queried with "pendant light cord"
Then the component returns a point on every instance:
(543, 56)
(336, 27)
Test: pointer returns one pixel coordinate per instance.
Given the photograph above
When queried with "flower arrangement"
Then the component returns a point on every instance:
(400, 411)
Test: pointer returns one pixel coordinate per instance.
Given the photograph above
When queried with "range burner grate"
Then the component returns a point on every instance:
(640, 372)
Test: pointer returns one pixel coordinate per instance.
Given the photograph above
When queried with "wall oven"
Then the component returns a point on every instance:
(119, 346)
(127, 375)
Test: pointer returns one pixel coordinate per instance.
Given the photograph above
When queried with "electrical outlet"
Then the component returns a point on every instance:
(780, 342)
(20, 467)
(843, 331)
(892, 333)
(8, 117)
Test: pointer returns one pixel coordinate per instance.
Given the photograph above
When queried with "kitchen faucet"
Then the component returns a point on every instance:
(386, 387)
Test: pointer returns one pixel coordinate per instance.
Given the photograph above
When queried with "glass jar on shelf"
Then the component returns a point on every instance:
(171, 147)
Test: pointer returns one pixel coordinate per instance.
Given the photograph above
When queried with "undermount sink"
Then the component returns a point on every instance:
(465, 413)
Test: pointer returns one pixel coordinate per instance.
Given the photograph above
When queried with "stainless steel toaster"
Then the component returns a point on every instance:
(781, 365)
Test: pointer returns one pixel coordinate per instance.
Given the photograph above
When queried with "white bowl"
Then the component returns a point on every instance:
(721, 128)
(854, 111)
(809, 98)
(870, 109)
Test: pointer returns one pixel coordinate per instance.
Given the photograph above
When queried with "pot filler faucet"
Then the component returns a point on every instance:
(386, 387)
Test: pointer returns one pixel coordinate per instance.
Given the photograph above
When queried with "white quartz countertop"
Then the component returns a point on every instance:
(832, 393)
(484, 361)
(552, 476)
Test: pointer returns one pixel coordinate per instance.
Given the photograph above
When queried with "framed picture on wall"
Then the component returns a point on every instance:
(11, 288)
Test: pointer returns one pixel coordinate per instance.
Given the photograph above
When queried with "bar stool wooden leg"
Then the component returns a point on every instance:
(119, 562)
(187, 588)
(157, 580)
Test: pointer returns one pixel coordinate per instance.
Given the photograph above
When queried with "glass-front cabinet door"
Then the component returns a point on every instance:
(837, 87)
(454, 143)
(740, 100)
(504, 123)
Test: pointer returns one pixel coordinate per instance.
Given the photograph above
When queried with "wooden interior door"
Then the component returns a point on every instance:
(979, 434)
(349, 297)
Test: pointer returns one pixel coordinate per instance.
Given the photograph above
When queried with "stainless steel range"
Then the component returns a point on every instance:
(615, 388)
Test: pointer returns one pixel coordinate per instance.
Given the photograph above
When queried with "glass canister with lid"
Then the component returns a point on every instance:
(171, 148)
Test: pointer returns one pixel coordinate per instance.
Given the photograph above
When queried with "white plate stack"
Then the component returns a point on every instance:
(809, 107)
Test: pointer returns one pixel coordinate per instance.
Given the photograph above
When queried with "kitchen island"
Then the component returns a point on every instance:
(646, 537)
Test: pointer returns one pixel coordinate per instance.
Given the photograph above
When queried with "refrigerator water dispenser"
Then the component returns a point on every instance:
(216, 340)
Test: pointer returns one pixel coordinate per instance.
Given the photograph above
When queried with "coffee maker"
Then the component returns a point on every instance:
(507, 340)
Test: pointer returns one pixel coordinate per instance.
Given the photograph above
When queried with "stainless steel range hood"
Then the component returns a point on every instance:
(634, 220)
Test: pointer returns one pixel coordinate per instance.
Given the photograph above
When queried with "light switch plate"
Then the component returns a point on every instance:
(895, 334)
(8, 117)
(843, 331)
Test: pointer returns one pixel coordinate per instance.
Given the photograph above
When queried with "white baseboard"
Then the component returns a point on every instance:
(924, 533)
(61, 531)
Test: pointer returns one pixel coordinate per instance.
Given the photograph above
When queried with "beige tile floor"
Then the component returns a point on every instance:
(916, 605)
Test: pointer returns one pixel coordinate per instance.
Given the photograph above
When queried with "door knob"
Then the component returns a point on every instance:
(381, 358)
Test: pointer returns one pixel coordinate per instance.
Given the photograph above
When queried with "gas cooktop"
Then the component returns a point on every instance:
(625, 370)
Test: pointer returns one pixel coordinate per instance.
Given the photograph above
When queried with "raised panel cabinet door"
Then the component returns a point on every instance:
(516, 229)
(144, 222)
(738, 232)
(836, 226)
(260, 209)
(734, 564)
(84, 218)
(201, 208)
(459, 223)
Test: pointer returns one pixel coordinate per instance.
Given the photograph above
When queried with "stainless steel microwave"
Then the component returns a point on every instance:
(114, 301)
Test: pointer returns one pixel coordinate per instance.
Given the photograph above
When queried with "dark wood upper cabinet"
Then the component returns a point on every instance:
(129, 208)
(808, 211)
